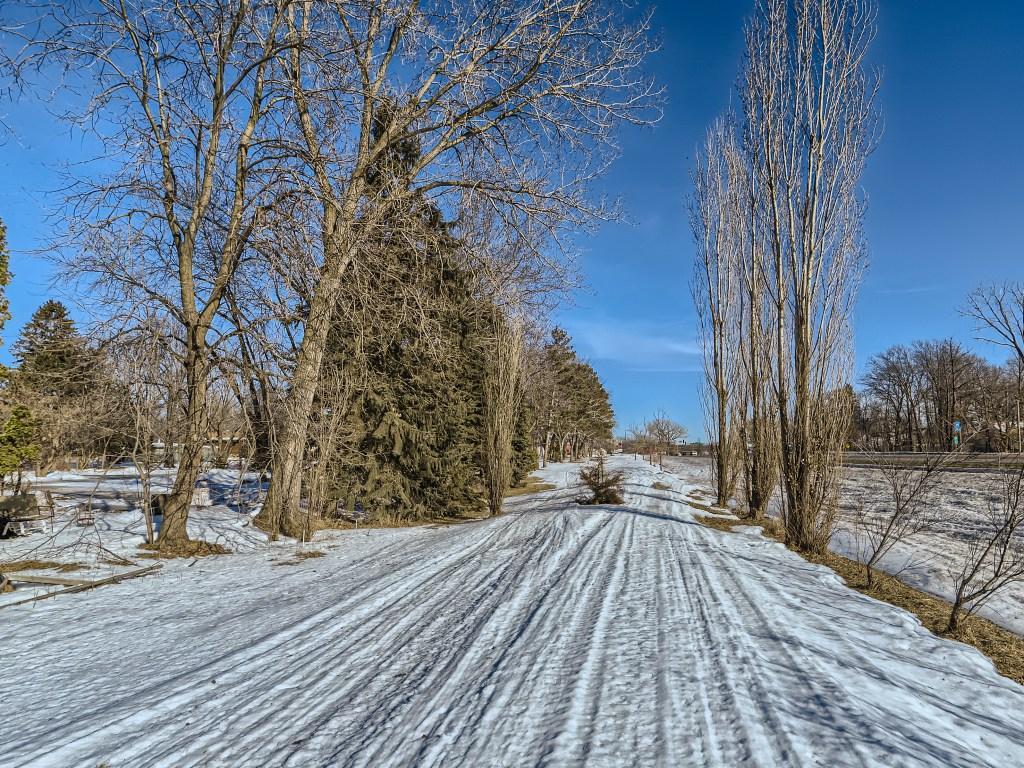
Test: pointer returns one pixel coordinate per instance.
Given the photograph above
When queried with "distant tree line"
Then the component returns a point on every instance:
(569, 410)
(939, 396)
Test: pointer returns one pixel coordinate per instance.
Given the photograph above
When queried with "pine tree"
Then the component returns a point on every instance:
(523, 452)
(17, 443)
(605, 487)
(404, 332)
(53, 358)
(571, 409)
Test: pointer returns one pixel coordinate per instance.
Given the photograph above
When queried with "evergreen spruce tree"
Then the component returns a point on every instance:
(5, 279)
(605, 487)
(5, 276)
(411, 436)
(53, 358)
(523, 451)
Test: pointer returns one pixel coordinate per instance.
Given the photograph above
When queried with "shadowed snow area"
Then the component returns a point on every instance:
(554, 635)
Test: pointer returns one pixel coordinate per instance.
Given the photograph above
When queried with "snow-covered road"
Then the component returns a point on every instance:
(554, 635)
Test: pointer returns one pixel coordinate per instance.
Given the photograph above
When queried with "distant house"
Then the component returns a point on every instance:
(217, 451)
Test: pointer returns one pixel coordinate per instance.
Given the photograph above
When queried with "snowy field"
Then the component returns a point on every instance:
(111, 545)
(925, 561)
(553, 635)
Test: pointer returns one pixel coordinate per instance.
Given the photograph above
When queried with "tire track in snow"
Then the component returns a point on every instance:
(473, 694)
(554, 635)
(159, 702)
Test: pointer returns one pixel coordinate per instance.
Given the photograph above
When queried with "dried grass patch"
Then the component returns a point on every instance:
(660, 486)
(1003, 647)
(382, 521)
(530, 487)
(300, 557)
(40, 565)
(191, 548)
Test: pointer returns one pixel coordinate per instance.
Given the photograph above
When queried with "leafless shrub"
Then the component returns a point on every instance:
(994, 558)
(909, 496)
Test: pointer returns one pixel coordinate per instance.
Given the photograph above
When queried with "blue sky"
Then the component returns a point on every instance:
(946, 192)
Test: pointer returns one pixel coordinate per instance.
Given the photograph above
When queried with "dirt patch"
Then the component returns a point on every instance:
(530, 487)
(194, 548)
(1003, 647)
(721, 511)
(40, 565)
(299, 557)
(659, 486)
(388, 521)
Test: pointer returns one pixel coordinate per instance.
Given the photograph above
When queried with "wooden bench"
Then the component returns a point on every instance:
(20, 515)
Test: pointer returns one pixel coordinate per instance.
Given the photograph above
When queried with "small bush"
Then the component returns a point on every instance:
(605, 487)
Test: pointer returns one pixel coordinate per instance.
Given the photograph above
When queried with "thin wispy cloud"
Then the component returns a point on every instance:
(638, 346)
(907, 289)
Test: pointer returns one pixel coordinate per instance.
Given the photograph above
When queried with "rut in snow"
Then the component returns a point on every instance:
(553, 635)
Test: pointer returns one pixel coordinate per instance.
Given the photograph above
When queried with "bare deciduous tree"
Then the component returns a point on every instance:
(663, 433)
(178, 93)
(717, 222)
(998, 311)
(758, 409)
(809, 103)
(502, 396)
(511, 103)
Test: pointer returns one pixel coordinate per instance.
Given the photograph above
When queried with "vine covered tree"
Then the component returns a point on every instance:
(5, 276)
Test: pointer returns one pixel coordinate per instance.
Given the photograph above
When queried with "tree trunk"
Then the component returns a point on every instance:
(174, 529)
(954, 620)
(722, 467)
(280, 513)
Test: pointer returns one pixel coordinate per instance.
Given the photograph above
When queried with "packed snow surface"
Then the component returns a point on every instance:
(554, 635)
